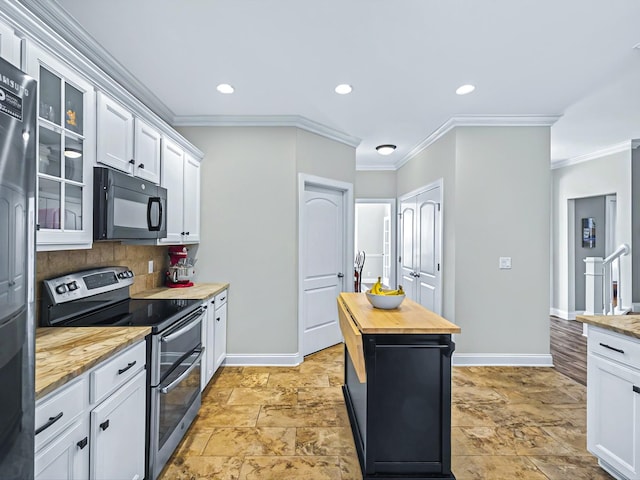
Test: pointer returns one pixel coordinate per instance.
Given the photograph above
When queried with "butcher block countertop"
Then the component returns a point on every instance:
(199, 291)
(624, 324)
(410, 317)
(64, 353)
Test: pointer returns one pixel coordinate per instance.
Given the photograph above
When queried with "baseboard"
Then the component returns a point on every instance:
(263, 360)
(501, 360)
(564, 314)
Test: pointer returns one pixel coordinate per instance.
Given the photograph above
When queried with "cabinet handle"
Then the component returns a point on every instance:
(611, 348)
(104, 425)
(132, 161)
(223, 299)
(213, 302)
(51, 421)
(83, 443)
(636, 389)
(181, 233)
(129, 365)
(141, 165)
(187, 233)
(218, 319)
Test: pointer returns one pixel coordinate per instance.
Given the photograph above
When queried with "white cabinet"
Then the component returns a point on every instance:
(118, 433)
(181, 178)
(66, 153)
(220, 333)
(126, 143)
(66, 457)
(613, 402)
(208, 341)
(10, 45)
(94, 427)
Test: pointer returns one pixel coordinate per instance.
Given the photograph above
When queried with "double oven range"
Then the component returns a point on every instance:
(100, 297)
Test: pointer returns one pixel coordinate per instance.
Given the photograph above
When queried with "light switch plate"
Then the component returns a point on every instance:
(504, 263)
(150, 266)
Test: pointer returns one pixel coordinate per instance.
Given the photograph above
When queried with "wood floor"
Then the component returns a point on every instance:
(569, 349)
(277, 423)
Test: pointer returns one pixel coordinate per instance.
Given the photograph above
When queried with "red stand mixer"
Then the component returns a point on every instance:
(180, 271)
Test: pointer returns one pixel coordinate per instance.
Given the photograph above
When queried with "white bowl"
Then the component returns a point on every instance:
(385, 302)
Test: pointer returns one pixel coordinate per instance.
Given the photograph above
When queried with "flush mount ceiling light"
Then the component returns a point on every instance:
(344, 89)
(71, 152)
(385, 149)
(464, 89)
(225, 88)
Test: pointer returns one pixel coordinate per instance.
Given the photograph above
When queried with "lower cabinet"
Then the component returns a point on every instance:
(97, 436)
(214, 336)
(67, 456)
(613, 403)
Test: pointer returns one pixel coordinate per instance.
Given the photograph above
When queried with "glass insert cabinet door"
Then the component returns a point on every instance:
(66, 139)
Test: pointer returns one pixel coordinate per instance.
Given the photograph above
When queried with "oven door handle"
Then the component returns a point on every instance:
(184, 327)
(166, 389)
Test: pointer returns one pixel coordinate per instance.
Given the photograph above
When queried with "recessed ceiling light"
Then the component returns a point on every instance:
(344, 89)
(225, 88)
(464, 89)
(385, 149)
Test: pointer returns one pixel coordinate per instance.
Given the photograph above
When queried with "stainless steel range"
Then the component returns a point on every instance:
(100, 297)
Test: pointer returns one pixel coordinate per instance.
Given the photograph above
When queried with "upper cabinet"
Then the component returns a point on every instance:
(181, 178)
(126, 142)
(66, 149)
(10, 45)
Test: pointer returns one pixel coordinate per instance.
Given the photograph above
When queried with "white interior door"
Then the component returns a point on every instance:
(420, 247)
(428, 241)
(322, 266)
(408, 247)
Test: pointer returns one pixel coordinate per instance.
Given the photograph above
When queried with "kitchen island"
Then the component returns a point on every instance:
(398, 388)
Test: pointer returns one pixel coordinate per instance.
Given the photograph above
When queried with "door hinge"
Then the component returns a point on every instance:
(399, 259)
(438, 267)
(438, 206)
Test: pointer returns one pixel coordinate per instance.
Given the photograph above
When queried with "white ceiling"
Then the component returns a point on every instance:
(404, 58)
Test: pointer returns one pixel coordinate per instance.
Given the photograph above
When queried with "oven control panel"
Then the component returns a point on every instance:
(78, 285)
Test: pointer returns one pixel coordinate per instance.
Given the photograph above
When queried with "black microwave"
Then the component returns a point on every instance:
(127, 208)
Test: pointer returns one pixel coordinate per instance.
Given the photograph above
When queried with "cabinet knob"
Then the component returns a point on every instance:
(141, 165)
(132, 161)
(187, 233)
(218, 319)
(181, 233)
(104, 425)
(83, 443)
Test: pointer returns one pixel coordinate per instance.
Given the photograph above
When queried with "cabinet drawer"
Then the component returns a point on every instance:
(59, 410)
(117, 371)
(614, 346)
(221, 299)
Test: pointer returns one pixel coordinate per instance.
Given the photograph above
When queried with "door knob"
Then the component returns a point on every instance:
(340, 275)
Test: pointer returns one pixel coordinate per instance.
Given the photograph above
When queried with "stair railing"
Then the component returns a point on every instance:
(608, 266)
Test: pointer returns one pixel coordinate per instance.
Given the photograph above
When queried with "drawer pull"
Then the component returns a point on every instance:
(104, 425)
(611, 348)
(129, 365)
(51, 421)
(636, 389)
(224, 298)
(83, 443)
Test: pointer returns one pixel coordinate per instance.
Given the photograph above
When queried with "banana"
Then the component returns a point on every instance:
(376, 289)
(399, 291)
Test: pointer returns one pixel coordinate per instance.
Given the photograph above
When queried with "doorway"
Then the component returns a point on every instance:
(325, 259)
(375, 226)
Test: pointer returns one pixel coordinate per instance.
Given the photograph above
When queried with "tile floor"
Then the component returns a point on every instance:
(277, 423)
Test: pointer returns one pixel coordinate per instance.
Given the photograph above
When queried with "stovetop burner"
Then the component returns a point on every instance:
(100, 297)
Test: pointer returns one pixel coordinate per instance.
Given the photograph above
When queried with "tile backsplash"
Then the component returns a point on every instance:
(136, 257)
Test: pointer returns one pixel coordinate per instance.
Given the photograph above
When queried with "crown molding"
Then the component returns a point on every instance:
(627, 145)
(56, 18)
(478, 121)
(297, 121)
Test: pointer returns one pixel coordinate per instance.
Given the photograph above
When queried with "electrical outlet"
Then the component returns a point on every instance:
(150, 266)
(504, 263)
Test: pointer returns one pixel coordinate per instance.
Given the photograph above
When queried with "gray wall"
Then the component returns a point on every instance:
(249, 221)
(375, 184)
(496, 203)
(593, 207)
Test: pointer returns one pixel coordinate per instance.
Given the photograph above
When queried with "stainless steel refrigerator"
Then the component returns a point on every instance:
(18, 94)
